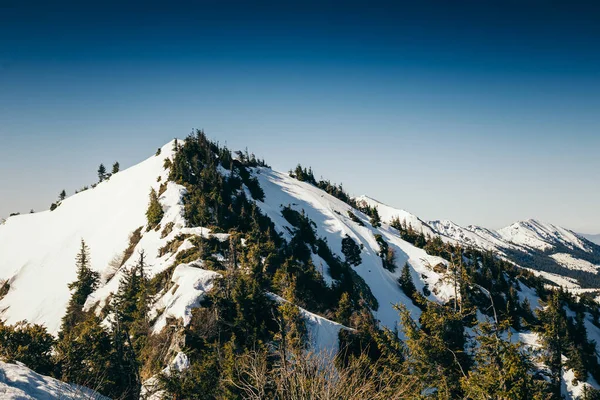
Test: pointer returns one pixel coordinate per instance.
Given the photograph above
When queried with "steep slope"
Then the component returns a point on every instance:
(388, 213)
(333, 223)
(470, 236)
(37, 251)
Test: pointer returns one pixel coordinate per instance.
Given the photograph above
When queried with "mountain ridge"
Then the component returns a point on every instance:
(517, 241)
(337, 267)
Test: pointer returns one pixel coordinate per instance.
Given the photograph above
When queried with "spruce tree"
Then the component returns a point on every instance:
(155, 212)
(375, 219)
(553, 330)
(101, 173)
(62, 195)
(86, 283)
(502, 370)
(406, 282)
(115, 167)
(351, 251)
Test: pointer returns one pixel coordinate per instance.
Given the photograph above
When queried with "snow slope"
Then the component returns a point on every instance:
(470, 236)
(37, 251)
(387, 214)
(568, 261)
(18, 382)
(191, 282)
(332, 223)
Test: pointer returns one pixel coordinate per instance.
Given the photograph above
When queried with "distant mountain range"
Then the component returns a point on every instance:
(559, 254)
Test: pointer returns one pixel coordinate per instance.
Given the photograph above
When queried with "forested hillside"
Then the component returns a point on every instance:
(207, 275)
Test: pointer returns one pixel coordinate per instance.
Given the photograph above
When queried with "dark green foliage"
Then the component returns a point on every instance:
(351, 251)
(303, 174)
(53, 206)
(82, 355)
(62, 195)
(554, 334)
(86, 283)
(116, 167)
(199, 382)
(155, 213)
(214, 199)
(435, 350)
(27, 343)
(501, 370)
(375, 219)
(101, 173)
(354, 218)
(307, 175)
(387, 254)
(406, 283)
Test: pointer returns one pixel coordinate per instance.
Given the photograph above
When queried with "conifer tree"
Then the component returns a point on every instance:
(115, 167)
(101, 173)
(406, 282)
(86, 283)
(155, 212)
(351, 251)
(375, 219)
(344, 309)
(554, 331)
(30, 344)
(62, 195)
(82, 354)
(502, 370)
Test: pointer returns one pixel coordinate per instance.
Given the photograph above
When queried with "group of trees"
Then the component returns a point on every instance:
(249, 338)
(86, 351)
(103, 174)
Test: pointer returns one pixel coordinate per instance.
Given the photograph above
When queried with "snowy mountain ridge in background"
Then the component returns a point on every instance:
(561, 249)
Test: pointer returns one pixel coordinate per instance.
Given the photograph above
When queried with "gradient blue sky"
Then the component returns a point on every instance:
(482, 112)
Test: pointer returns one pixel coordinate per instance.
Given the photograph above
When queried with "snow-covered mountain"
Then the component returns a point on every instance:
(557, 252)
(542, 236)
(37, 251)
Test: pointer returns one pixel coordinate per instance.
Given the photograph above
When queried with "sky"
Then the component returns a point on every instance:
(482, 112)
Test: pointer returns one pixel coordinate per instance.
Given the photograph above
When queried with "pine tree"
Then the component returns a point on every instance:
(155, 212)
(351, 251)
(553, 330)
(86, 283)
(83, 353)
(502, 370)
(344, 309)
(406, 282)
(62, 195)
(28, 343)
(375, 219)
(115, 167)
(101, 173)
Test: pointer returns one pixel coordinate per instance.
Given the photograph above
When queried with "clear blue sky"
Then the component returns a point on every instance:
(479, 113)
